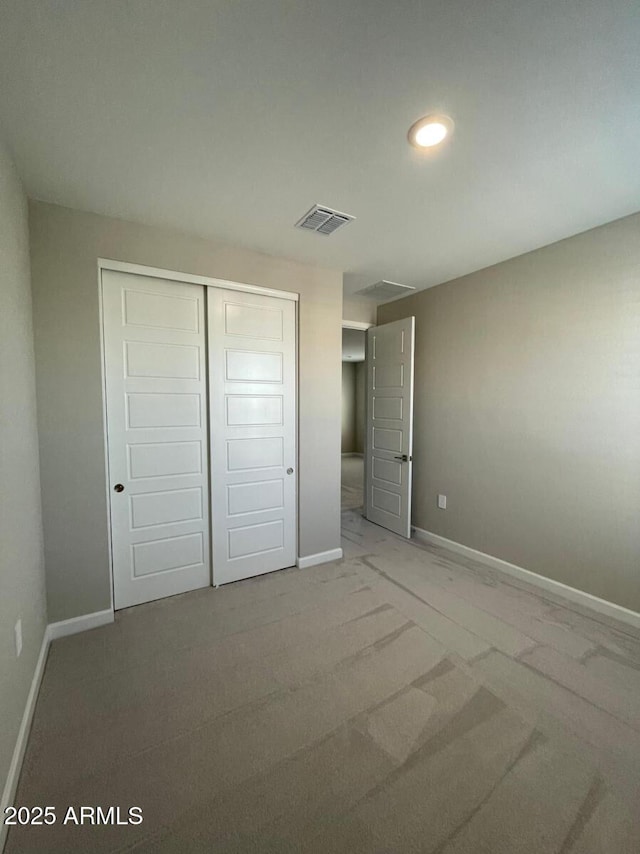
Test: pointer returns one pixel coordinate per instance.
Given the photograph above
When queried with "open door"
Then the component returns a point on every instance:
(390, 357)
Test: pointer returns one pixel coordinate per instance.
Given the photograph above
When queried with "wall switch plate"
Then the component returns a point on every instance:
(442, 502)
(18, 633)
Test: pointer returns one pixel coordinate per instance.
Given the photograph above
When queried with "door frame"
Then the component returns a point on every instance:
(207, 282)
(362, 325)
(356, 324)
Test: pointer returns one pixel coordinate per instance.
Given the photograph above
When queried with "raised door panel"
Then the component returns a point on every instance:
(255, 496)
(243, 366)
(162, 361)
(165, 459)
(254, 454)
(148, 308)
(167, 507)
(261, 410)
(253, 321)
(153, 410)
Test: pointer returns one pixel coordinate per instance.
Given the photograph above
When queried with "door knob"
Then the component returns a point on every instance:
(119, 487)
(289, 471)
(405, 458)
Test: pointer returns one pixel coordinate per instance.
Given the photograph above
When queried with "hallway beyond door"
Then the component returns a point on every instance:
(352, 483)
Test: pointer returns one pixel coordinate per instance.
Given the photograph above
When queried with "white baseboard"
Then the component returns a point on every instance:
(80, 624)
(588, 600)
(320, 557)
(15, 767)
(51, 632)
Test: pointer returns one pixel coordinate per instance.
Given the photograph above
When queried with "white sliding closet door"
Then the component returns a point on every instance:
(252, 358)
(156, 399)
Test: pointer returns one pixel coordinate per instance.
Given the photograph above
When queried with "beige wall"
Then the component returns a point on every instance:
(22, 586)
(359, 309)
(528, 410)
(65, 246)
(348, 407)
(354, 381)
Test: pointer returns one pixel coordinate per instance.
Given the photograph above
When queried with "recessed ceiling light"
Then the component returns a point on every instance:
(429, 131)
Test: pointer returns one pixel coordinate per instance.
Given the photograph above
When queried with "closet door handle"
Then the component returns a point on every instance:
(118, 487)
(405, 458)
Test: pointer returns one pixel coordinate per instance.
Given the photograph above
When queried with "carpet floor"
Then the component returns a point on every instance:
(404, 699)
(352, 492)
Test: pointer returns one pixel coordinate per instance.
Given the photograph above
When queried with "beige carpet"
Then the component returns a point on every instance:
(401, 700)
(352, 482)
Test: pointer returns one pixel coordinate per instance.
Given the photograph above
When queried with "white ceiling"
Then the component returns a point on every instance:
(232, 118)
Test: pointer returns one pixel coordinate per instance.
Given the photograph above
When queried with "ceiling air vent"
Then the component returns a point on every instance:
(386, 290)
(323, 220)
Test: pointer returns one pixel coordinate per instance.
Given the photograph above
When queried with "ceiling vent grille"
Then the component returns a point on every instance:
(323, 220)
(386, 290)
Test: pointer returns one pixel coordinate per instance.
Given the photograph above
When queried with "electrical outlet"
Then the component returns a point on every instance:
(442, 502)
(18, 633)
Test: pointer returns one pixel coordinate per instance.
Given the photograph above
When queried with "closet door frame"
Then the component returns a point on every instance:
(208, 282)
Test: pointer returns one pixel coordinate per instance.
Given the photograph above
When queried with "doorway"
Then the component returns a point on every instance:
(377, 399)
(354, 413)
(200, 417)
(389, 444)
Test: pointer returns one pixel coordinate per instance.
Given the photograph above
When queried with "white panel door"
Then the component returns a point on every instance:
(156, 390)
(390, 354)
(252, 347)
